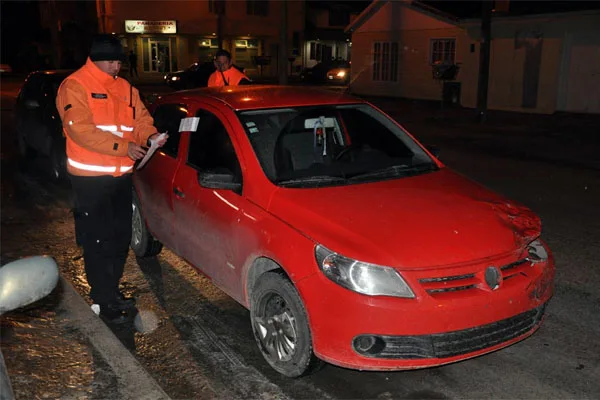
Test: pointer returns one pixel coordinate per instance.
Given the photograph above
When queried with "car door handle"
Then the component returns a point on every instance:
(178, 192)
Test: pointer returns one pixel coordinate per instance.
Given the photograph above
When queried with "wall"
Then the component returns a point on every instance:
(531, 68)
(514, 40)
(413, 31)
(194, 21)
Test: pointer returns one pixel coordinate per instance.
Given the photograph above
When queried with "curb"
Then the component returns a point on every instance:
(134, 381)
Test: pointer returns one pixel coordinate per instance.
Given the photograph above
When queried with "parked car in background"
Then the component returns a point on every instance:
(194, 76)
(340, 73)
(331, 71)
(347, 240)
(5, 68)
(38, 124)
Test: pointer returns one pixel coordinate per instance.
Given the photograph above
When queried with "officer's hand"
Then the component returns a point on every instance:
(135, 152)
(162, 141)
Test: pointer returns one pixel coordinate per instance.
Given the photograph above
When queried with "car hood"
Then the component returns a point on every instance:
(437, 219)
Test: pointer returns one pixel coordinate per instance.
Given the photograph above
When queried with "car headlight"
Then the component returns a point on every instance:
(165, 77)
(174, 78)
(341, 74)
(536, 251)
(361, 277)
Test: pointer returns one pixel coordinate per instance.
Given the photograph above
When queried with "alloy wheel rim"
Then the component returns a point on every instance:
(136, 226)
(276, 329)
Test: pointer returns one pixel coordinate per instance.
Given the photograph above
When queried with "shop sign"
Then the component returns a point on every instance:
(135, 26)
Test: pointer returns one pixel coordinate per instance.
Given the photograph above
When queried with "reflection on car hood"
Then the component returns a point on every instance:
(430, 220)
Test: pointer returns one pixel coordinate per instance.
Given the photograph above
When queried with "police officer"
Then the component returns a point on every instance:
(106, 126)
(226, 74)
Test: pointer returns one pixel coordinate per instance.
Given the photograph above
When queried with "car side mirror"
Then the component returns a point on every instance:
(433, 150)
(219, 180)
(31, 104)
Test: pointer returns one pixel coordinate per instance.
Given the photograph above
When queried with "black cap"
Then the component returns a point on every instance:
(106, 48)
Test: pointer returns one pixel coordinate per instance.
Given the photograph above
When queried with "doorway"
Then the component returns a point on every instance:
(159, 54)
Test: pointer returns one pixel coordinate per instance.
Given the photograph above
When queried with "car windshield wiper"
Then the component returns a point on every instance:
(396, 171)
(317, 180)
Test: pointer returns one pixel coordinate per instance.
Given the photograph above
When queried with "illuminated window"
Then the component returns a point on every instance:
(442, 50)
(385, 61)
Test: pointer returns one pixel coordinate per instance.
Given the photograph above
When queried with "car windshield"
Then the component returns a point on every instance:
(332, 145)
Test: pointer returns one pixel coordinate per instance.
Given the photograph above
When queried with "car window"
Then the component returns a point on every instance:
(211, 148)
(32, 88)
(167, 118)
(324, 145)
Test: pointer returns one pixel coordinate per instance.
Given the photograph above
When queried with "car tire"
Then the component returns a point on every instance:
(280, 326)
(142, 243)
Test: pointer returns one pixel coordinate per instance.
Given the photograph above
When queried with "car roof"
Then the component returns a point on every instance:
(55, 72)
(251, 97)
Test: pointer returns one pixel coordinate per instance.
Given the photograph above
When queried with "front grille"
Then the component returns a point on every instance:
(453, 283)
(515, 268)
(442, 345)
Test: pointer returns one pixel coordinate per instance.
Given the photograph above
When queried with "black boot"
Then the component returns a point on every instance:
(112, 314)
(124, 303)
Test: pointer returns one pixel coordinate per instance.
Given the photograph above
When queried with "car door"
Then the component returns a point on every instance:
(154, 182)
(52, 134)
(30, 122)
(206, 220)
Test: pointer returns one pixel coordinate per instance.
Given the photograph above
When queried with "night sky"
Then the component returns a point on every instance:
(472, 8)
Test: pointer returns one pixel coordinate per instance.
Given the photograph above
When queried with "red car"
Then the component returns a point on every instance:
(347, 240)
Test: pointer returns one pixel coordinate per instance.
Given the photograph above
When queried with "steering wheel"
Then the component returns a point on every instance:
(348, 150)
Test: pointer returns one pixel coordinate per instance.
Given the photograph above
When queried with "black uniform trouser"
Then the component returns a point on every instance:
(103, 225)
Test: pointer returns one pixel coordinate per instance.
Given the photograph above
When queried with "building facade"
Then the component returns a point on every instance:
(325, 36)
(539, 63)
(170, 36)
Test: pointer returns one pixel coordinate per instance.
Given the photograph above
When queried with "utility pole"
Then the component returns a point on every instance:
(282, 59)
(484, 59)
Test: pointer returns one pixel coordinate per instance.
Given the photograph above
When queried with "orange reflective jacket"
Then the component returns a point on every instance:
(101, 115)
(233, 76)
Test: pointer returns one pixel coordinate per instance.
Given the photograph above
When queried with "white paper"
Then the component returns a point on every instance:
(189, 124)
(151, 150)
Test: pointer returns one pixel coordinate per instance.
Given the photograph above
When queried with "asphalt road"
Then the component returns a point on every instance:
(202, 345)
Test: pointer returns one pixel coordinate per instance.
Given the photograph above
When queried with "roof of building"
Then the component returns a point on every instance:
(376, 5)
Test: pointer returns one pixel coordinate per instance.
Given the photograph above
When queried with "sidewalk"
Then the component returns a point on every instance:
(58, 348)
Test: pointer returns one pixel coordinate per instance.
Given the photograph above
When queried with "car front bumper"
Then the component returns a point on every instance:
(385, 333)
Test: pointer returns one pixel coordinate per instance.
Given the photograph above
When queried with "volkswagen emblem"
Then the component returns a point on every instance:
(493, 277)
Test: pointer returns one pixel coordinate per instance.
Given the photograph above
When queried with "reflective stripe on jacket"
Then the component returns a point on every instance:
(99, 122)
(232, 75)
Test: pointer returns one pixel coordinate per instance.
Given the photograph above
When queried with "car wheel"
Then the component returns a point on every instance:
(58, 162)
(142, 243)
(280, 326)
